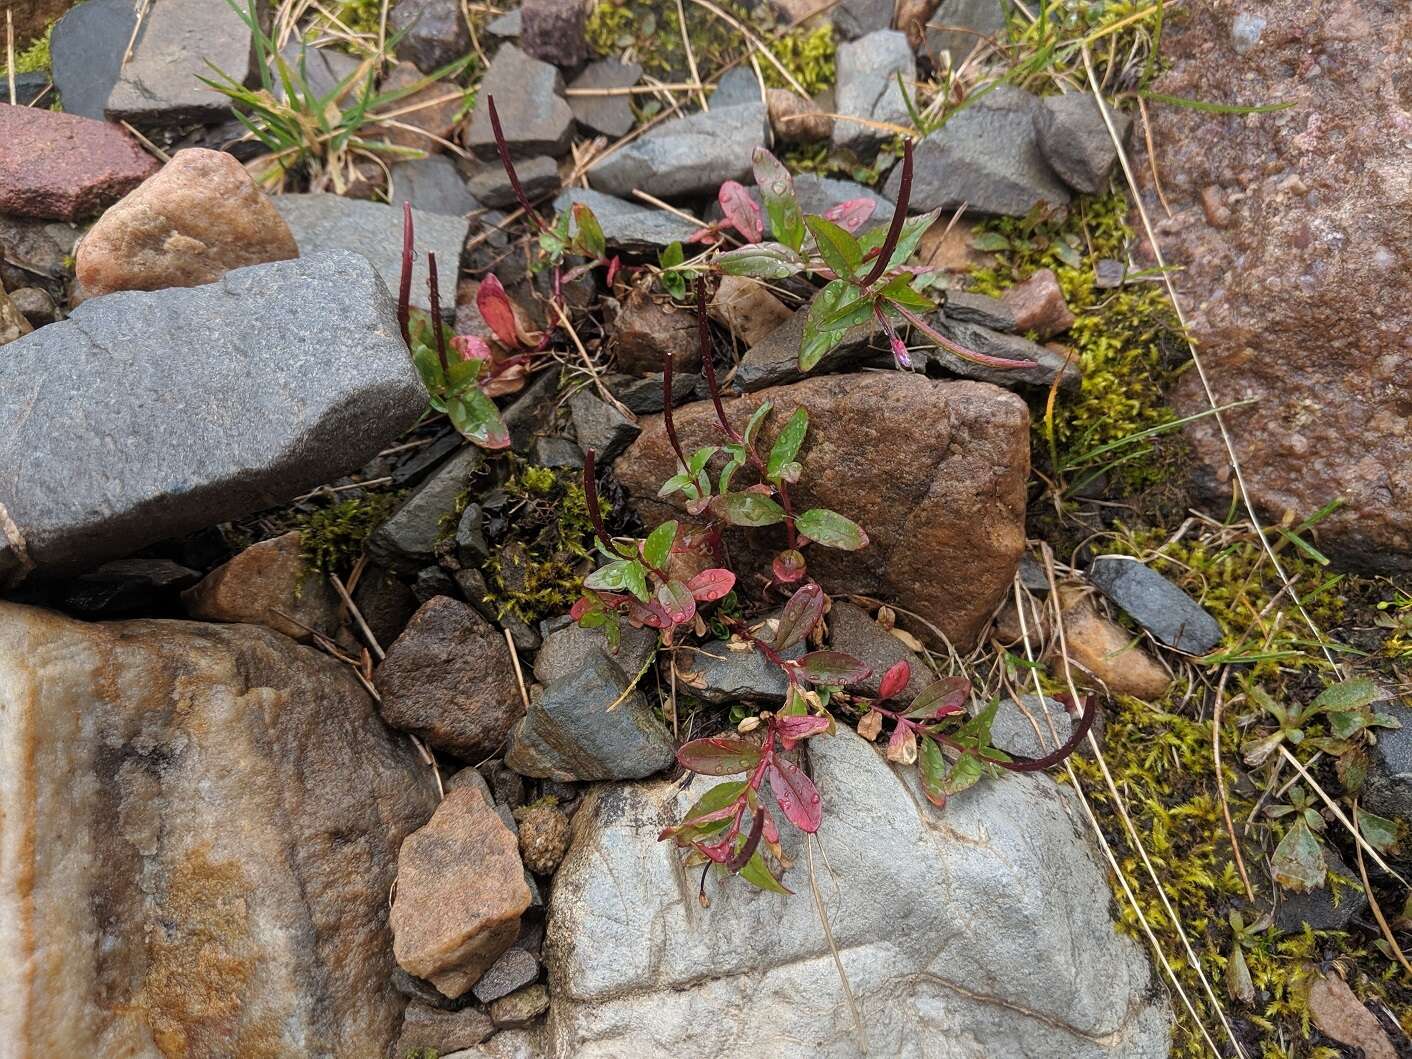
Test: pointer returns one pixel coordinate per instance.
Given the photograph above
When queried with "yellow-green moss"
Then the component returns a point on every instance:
(35, 58)
(333, 537)
(808, 55)
(360, 16)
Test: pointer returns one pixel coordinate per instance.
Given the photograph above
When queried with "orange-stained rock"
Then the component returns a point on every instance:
(189, 224)
(1107, 655)
(268, 584)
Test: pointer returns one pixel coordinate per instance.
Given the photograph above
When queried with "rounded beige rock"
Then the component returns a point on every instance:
(190, 223)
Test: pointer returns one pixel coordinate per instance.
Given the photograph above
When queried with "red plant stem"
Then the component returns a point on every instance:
(955, 347)
(1035, 764)
(590, 493)
(436, 327)
(503, 149)
(752, 842)
(404, 286)
(899, 215)
(771, 655)
(667, 410)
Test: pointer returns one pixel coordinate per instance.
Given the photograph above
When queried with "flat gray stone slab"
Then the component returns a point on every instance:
(610, 115)
(868, 69)
(433, 184)
(321, 221)
(86, 49)
(147, 415)
(693, 155)
(1047, 363)
(1156, 604)
(626, 224)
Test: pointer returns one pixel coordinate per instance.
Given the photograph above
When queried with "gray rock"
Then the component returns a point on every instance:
(627, 225)
(532, 411)
(521, 1008)
(857, 18)
(428, 1028)
(407, 540)
(29, 87)
(610, 115)
(643, 396)
(538, 176)
(1042, 972)
(323, 70)
(601, 427)
(507, 26)
(1047, 362)
(432, 185)
(570, 734)
(553, 30)
(1013, 729)
(693, 155)
(960, 26)
(432, 581)
(986, 157)
(471, 545)
(719, 672)
(1156, 604)
(1317, 908)
(1075, 141)
(312, 382)
(179, 42)
(1388, 788)
(853, 631)
(819, 194)
(127, 585)
(321, 221)
(556, 452)
(86, 52)
(867, 88)
(979, 309)
(568, 649)
(529, 99)
(515, 969)
(737, 85)
(434, 32)
(775, 360)
(1032, 575)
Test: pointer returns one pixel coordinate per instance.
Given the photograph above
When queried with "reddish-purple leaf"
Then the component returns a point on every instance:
(895, 680)
(794, 728)
(711, 585)
(472, 347)
(677, 601)
(720, 755)
(772, 832)
(582, 606)
(497, 312)
(741, 211)
(652, 614)
(721, 851)
(940, 698)
(798, 797)
(833, 667)
(800, 615)
(851, 215)
(788, 566)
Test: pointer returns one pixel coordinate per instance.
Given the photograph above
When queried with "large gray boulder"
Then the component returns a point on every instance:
(149, 415)
(982, 930)
(868, 69)
(693, 155)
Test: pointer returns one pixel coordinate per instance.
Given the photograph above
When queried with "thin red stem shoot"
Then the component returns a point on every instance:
(404, 286)
(436, 325)
(503, 148)
(899, 215)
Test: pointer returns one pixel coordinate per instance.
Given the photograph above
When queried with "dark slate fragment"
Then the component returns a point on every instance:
(434, 32)
(774, 360)
(127, 585)
(979, 309)
(533, 114)
(686, 156)
(1318, 908)
(407, 540)
(610, 115)
(86, 51)
(514, 969)
(1388, 788)
(853, 631)
(1156, 604)
(1047, 362)
(432, 184)
(601, 427)
(643, 396)
(538, 176)
(1075, 140)
(627, 225)
(720, 672)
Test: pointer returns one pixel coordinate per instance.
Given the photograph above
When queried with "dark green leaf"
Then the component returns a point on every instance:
(787, 445)
(820, 337)
(1378, 831)
(965, 773)
(747, 509)
(761, 260)
(899, 290)
(658, 545)
(837, 247)
(833, 667)
(933, 770)
(831, 529)
(757, 873)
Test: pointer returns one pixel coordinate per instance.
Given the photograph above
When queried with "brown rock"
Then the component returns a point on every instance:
(442, 1032)
(12, 322)
(747, 309)
(933, 471)
(1038, 305)
(1108, 654)
(520, 1008)
(268, 584)
(189, 224)
(795, 119)
(63, 167)
(32, 17)
(1337, 1013)
(449, 679)
(460, 893)
(646, 330)
(553, 31)
(201, 824)
(436, 118)
(853, 631)
(35, 305)
(948, 247)
(544, 837)
(1300, 297)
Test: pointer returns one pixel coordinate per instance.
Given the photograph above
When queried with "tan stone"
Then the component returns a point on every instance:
(199, 825)
(460, 894)
(1339, 1014)
(443, 1032)
(948, 247)
(1108, 654)
(13, 324)
(268, 584)
(747, 309)
(647, 329)
(1038, 304)
(795, 119)
(190, 223)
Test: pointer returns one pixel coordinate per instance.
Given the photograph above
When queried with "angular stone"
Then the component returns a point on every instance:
(62, 167)
(979, 309)
(693, 155)
(323, 70)
(747, 309)
(644, 395)
(127, 585)
(1013, 729)
(867, 88)
(515, 969)
(1109, 655)
(267, 584)
(460, 893)
(538, 176)
(86, 51)
(181, 41)
(601, 427)
(437, 106)
(431, 185)
(1005, 861)
(1038, 305)
(570, 734)
(627, 225)
(650, 328)
(569, 649)
(819, 194)
(556, 452)
(192, 222)
(961, 26)
(1075, 140)
(311, 385)
(985, 157)
(853, 631)
(794, 119)
(34, 304)
(508, 25)
(449, 679)
(1047, 362)
(13, 323)
(1156, 604)
(529, 99)
(407, 540)
(321, 221)
(858, 18)
(734, 87)
(521, 1008)
(774, 360)
(553, 31)
(1388, 788)
(426, 1028)
(933, 471)
(1318, 908)
(610, 115)
(228, 808)
(434, 32)
(722, 671)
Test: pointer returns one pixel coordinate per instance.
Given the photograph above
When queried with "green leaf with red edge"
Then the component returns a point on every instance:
(787, 445)
(747, 509)
(589, 233)
(777, 191)
(939, 698)
(761, 261)
(756, 421)
(798, 797)
(618, 575)
(831, 529)
(658, 546)
(476, 417)
(719, 755)
(932, 768)
(705, 817)
(711, 585)
(799, 616)
(836, 246)
(757, 873)
(496, 311)
(833, 667)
